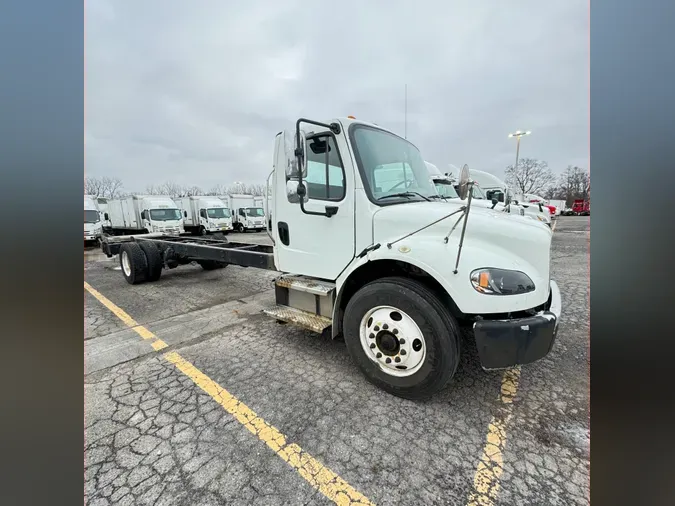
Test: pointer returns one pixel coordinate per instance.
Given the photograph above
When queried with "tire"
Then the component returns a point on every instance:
(210, 265)
(240, 228)
(439, 331)
(154, 259)
(133, 262)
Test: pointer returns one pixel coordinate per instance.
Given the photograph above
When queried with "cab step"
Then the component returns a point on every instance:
(304, 319)
(305, 284)
(312, 295)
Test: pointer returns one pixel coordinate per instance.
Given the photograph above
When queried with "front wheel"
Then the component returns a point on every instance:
(402, 337)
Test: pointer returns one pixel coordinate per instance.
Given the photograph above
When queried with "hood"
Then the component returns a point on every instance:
(512, 242)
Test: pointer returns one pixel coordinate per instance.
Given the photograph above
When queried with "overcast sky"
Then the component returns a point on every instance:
(194, 92)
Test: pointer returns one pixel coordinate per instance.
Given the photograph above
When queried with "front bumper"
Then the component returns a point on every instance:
(506, 343)
(93, 237)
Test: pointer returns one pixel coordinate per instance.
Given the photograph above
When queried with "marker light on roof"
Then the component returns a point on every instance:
(351, 117)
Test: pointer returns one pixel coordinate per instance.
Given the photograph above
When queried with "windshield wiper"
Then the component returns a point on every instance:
(403, 194)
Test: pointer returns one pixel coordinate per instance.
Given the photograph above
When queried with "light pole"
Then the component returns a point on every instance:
(518, 135)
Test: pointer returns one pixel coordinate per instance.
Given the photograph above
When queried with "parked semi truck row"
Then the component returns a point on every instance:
(392, 269)
(495, 199)
(205, 215)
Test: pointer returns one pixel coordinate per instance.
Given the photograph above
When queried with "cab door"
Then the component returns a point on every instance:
(315, 244)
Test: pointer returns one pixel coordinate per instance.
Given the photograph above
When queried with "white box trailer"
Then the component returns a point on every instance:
(93, 228)
(144, 214)
(246, 215)
(205, 214)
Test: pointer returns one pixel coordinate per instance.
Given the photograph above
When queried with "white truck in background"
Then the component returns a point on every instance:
(390, 267)
(495, 187)
(205, 215)
(93, 227)
(144, 214)
(246, 215)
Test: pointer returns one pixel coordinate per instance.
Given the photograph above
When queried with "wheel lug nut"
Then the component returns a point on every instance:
(385, 326)
(372, 345)
(372, 336)
(401, 341)
(379, 355)
(395, 331)
(403, 352)
(388, 361)
(376, 328)
(397, 359)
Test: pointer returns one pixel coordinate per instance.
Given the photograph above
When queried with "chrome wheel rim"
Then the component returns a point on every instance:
(392, 340)
(126, 264)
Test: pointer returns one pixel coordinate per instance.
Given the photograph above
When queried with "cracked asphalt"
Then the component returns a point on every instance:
(152, 436)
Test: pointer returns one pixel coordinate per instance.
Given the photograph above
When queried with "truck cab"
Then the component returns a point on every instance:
(159, 214)
(93, 226)
(495, 187)
(205, 215)
(357, 224)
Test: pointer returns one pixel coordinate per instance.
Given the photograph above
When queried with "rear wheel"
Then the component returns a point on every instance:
(240, 228)
(134, 263)
(402, 337)
(154, 259)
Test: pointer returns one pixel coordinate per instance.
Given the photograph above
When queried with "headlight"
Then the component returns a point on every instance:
(501, 282)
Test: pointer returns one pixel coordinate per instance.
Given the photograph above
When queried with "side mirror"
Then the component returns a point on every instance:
(185, 214)
(294, 149)
(144, 215)
(202, 213)
(500, 197)
(105, 215)
(296, 192)
(495, 200)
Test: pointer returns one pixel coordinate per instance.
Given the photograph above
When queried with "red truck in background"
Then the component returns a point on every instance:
(581, 207)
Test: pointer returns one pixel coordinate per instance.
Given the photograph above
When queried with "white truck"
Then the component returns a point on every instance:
(145, 214)
(93, 228)
(394, 271)
(205, 215)
(246, 215)
(495, 187)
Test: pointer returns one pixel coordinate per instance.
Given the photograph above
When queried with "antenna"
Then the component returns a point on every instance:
(405, 127)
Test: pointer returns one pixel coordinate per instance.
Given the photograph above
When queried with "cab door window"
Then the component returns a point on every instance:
(325, 174)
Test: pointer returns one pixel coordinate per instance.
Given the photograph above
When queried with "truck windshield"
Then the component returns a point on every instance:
(254, 211)
(392, 169)
(165, 214)
(218, 212)
(91, 216)
(446, 189)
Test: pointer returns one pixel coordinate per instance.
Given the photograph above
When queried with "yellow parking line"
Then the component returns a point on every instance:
(554, 225)
(491, 464)
(316, 474)
(156, 343)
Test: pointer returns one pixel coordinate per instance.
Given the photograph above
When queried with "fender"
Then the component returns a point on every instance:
(370, 258)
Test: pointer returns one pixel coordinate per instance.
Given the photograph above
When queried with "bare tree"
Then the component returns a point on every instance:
(192, 191)
(218, 189)
(531, 176)
(109, 187)
(575, 183)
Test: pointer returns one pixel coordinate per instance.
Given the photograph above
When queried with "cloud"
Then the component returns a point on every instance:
(194, 92)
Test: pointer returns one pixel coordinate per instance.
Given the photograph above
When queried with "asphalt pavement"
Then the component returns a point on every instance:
(193, 396)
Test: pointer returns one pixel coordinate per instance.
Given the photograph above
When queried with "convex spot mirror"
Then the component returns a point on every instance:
(463, 182)
(293, 194)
